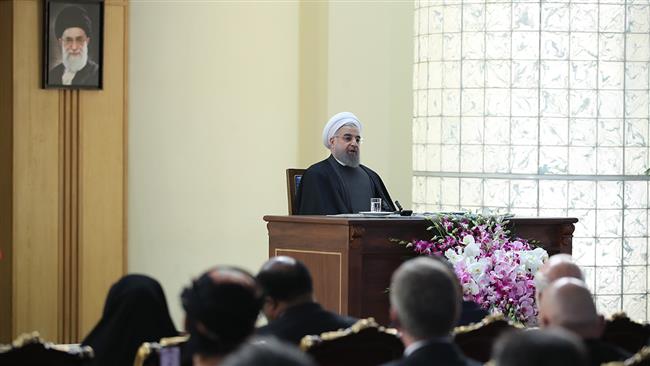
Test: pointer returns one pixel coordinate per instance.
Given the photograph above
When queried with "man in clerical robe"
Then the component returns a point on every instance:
(340, 184)
(74, 31)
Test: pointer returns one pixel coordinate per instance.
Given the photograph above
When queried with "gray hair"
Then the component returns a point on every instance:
(426, 296)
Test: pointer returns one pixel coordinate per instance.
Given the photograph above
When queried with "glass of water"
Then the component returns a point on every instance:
(375, 205)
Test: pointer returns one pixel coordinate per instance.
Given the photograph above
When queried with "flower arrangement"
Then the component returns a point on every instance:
(495, 270)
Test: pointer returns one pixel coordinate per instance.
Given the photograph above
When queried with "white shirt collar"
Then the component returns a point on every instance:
(423, 342)
(338, 161)
(67, 77)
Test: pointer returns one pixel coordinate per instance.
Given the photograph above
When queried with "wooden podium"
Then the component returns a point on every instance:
(351, 259)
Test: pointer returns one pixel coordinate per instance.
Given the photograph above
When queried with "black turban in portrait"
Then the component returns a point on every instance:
(71, 17)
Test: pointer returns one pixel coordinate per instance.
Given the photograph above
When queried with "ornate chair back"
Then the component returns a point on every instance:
(365, 343)
(31, 350)
(476, 340)
(622, 331)
(167, 351)
(641, 358)
(293, 181)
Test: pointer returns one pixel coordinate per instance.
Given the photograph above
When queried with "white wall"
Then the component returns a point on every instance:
(224, 96)
(370, 68)
(212, 126)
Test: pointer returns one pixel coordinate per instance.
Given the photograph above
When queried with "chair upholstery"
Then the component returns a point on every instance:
(31, 350)
(365, 343)
(293, 181)
(623, 332)
(151, 353)
(641, 358)
(476, 340)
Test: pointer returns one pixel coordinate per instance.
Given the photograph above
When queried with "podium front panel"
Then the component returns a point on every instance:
(352, 259)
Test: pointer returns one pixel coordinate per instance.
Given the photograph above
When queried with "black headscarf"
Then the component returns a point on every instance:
(135, 312)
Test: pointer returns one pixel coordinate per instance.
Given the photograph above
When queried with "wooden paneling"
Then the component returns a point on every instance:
(69, 216)
(36, 199)
(62, 182)
(6, 171)
(103, 168)
(329, 267)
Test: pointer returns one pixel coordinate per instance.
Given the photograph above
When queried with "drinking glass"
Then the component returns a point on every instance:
(375, 205)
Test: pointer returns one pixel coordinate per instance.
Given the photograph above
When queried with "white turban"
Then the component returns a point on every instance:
(336, 122)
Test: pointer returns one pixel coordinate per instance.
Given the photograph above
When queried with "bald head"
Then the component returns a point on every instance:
(221, 308)
(285, 278)
(557, 266)
(285, 282)
(567, 303)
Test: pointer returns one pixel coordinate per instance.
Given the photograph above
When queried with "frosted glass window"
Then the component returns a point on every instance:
(541, 109)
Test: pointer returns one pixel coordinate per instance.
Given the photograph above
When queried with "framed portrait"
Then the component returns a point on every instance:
(73, 44)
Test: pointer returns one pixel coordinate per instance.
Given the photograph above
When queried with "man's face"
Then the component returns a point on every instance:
(74, 40)
(345, 145)
(74, 46)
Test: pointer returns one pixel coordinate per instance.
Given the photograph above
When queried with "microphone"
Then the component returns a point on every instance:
(401, 210)
(399, 207)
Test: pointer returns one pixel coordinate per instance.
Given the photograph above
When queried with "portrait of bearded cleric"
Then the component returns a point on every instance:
(73, 44)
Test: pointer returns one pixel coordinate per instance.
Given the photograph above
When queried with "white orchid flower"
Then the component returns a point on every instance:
(468, 239)
(472, 287)
(477, 268)
(453, 256)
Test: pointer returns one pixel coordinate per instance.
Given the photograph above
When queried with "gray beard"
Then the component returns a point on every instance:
(351, 160)
(75, 63)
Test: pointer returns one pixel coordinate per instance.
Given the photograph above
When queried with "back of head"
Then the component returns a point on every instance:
(568, 303)
(557, 266)
(554, 347)
(426, 296)
(285, 279)
(135, 312)
(268, 352)
(221, 309)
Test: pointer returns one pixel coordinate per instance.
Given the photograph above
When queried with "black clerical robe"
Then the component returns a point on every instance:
(322, 190)
(87, 76)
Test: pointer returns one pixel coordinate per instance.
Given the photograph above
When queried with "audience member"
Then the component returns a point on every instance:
(268, 352)
(288, 302)
(567, 303)
(221, 308)
(536, 347)
(557, 266)
(425, 299)
(471, 312)
(135, 312)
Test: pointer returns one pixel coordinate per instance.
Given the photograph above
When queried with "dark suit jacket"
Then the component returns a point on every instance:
(470, 313)
(322, 191)
(435, 353)
(305, 319)
(89, 75)
(602, 352)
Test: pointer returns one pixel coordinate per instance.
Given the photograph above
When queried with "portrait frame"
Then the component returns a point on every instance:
(82, 21)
